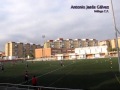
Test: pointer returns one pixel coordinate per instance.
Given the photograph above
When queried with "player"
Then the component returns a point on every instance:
(26, 65)
(26, 76)
(61, 63)
(34, 81)
(2, 67)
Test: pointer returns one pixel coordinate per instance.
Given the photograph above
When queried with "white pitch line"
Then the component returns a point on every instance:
(49, 72)
(117, 78)
(56, 80)
(60, 78)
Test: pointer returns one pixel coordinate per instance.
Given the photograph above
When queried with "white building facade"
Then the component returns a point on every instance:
(91, 52)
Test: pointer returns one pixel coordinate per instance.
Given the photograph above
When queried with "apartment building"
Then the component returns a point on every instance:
(104, 42)
(70, 43)
(20, 50)
(63, 48)
(77, 53)
(52, 52)
(2, 54)
(111, 43)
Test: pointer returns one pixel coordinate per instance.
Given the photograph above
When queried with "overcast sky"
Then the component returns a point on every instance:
(27, 20)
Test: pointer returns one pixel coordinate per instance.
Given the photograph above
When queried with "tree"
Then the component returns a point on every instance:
(114, 49)
(109, 48)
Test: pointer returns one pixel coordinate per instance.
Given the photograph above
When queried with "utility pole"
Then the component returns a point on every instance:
(116, 35)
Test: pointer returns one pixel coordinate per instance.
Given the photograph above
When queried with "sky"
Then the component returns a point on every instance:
(28, 20)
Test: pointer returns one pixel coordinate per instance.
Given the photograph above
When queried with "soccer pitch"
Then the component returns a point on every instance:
(78, 74)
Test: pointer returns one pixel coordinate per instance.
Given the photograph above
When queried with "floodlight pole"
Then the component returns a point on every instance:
(24, 53)
(43, 36)
(116, 35)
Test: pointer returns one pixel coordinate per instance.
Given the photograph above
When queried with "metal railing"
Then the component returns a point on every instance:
(30, 87)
